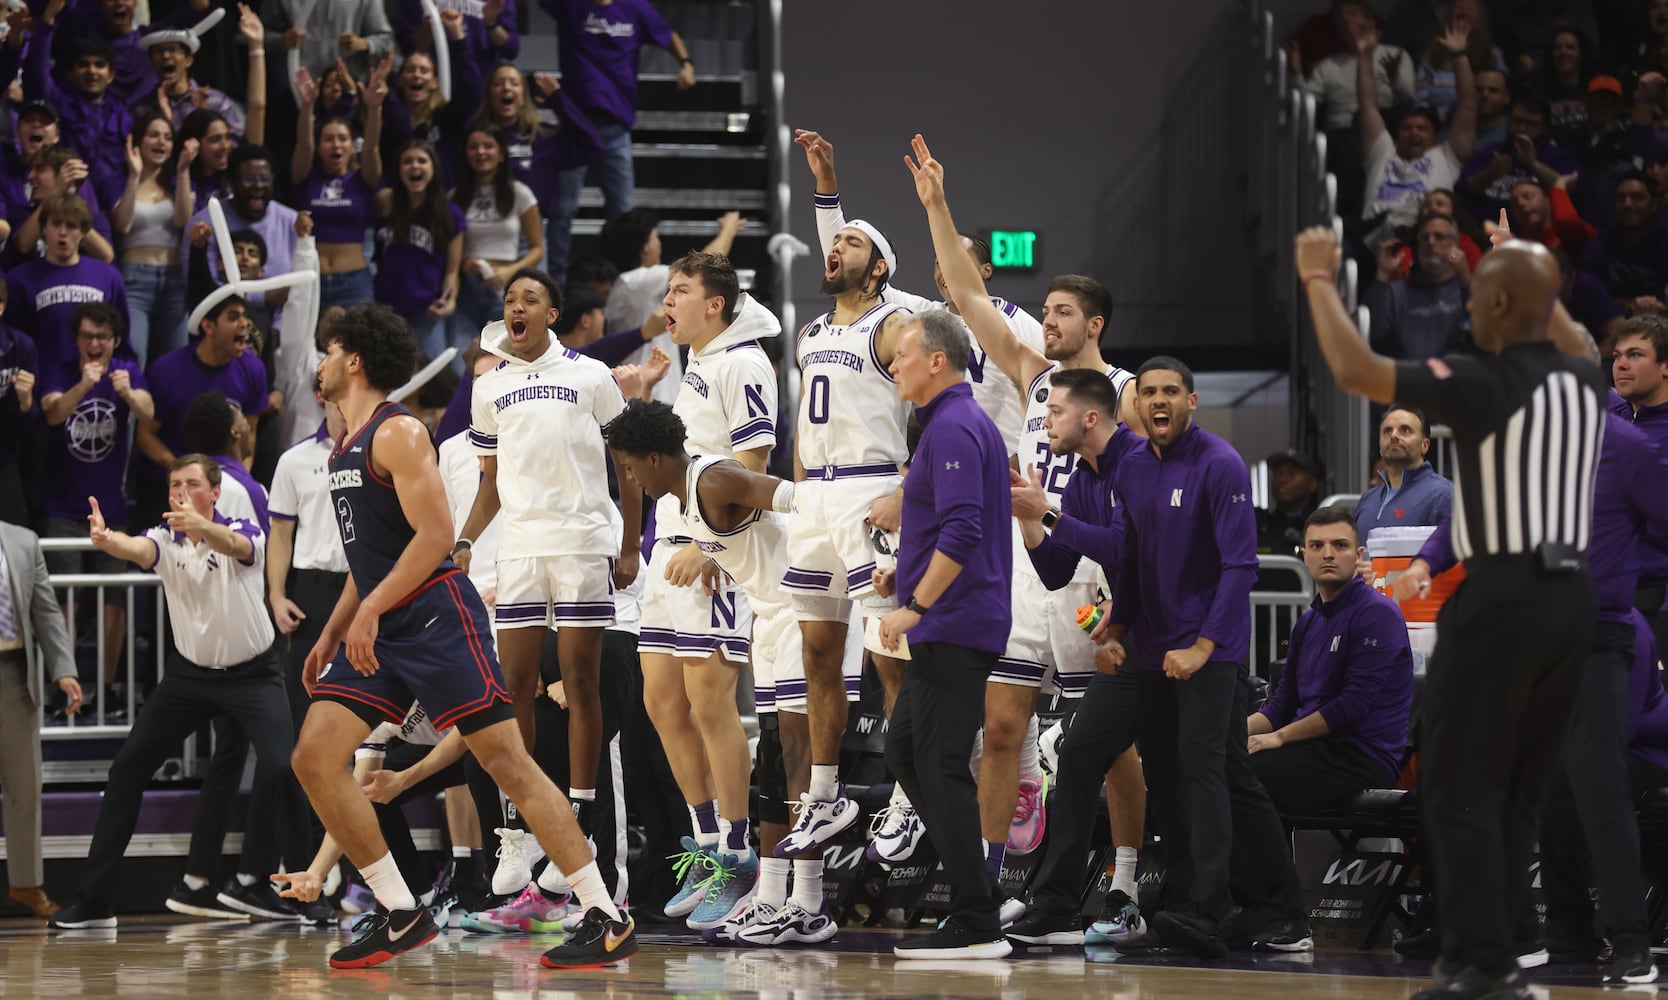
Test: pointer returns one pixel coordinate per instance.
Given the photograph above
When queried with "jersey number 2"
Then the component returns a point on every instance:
(344, 514)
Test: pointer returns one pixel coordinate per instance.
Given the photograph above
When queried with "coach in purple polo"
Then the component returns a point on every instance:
(954, 563)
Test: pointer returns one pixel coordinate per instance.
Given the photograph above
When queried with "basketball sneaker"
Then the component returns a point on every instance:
(756, 912)
(792, 924)
(1048, 927)
(82, 915)
(693, 867)
(258, 900)
(955, 939)
(894, 834)
(729, 888)
(385, 935)
(532, 912)
(1025, 833)
(1119, 921)
(820, 820)
(204, 902)
(596, 942)
(1048, 747)
(518, 850)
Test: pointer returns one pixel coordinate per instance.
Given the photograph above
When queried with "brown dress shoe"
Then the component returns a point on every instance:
(35, 901)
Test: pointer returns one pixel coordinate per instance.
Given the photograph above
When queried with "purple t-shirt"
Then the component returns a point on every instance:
(88, 452)
(42, 296)
(19, 206)
(598, 44)
(180, 376)
(411, 275)
(342, 206)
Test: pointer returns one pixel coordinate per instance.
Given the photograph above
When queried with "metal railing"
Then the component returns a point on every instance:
(1274, 612)
(1289, 190)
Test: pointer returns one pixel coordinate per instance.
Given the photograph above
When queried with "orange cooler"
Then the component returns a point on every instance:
(1392, 550)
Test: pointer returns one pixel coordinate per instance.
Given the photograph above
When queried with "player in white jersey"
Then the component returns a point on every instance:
(993, 390)
(734, 515)
(848, 450)
(696, 621)
(537, 421)
(1046, 643)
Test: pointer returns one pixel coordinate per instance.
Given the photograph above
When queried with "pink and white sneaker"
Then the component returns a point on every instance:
(532, 912)
(1025, 833)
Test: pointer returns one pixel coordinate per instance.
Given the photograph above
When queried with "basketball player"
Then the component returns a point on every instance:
(414, 629)
(1045, 640)
(736, 515)
(537, 421)
(695, 637)
(849, 446)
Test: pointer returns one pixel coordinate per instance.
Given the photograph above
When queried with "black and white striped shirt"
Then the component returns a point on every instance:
(1528, 426)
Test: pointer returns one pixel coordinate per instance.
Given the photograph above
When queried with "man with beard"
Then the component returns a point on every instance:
(252, 208)
(1632, 258)
(1422, 315)
(1413, 493)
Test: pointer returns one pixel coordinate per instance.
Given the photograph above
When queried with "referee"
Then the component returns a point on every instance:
(1528, 420)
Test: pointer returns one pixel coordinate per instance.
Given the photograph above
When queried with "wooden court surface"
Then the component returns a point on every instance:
(156, 957)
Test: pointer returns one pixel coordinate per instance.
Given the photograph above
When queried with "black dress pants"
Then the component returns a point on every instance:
(1512, 643)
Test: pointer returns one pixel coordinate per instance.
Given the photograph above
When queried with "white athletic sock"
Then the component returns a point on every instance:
(899, 798)
(195, 882)
(1029, 769)
(459, 853)
(825, 781)
(587, 885)
(582, 794)
(773, 881)
(807, 883)
(551, 880)
(978, 752)
(1123, 875)
(383, 876)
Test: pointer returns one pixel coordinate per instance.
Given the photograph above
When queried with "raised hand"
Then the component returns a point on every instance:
(183, 517)
(547, 84)
(1455, 36)
(1499, 232)
(97, 530)
(17, 26)
(1366, 41)
(293, 37)
(188, 152)
(819, 152)
(74, 172)
(199, 234)
(1390, 261)
(630, 380)
(121, 381)
(250, 27)
(730, 222)
(928, 173)
(1029, 499)
(491, 11)
(1317, 250)
(93, 372)
(306, 87)
(452, 22)
(1390, 60)
(347, 41)
(135, 162)
(303, 224)
(349, 84)
(655, 368)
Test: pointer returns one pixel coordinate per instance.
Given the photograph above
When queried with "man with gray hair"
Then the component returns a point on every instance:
(955, 559)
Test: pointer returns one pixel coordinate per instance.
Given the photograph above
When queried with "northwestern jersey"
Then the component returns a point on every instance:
(1055, 469)
(368, 513)
(849, 410)
(543, 420)
(727, 399)
(754, 553)
(993, 390)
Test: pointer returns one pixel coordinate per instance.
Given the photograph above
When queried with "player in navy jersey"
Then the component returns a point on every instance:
(408, 627)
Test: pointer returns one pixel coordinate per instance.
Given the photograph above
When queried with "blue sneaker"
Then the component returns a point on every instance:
(729, 888)
(1120, 921)
(693, 868)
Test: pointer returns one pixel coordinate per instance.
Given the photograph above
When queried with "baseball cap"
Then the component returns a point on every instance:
(39, 107)
(1300, 459)
(1604, 83)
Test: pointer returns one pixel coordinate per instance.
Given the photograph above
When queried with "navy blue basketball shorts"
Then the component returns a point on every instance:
(436, 649)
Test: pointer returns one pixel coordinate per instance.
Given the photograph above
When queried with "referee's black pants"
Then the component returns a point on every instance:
(1589, 833)
(939, 710)
(1511, 646)
(390, 816)
(252, 693)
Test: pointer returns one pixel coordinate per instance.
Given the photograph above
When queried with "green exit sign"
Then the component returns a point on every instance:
(1014, 249)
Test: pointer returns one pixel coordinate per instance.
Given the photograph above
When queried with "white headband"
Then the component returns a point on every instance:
(880, 243)
(190, 37)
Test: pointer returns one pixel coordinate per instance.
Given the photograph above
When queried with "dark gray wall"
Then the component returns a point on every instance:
(1109, 126)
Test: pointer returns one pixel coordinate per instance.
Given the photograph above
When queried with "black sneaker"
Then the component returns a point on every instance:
(1426, 944)
(1190, 933)
(382, 936)
(1047, 927)
(1631, 963)
(596, 942)
(204, 902)
(1571, 943)
(1290, 934)
(82, 915)
(318, 913)
(1148, 943)
(257, 900)
(1472, 983)
(955, 939)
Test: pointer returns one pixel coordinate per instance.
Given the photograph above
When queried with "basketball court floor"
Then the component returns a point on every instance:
(156, 958)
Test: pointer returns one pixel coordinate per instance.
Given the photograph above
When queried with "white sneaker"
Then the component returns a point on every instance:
(1048, 747)
(820, 820)
(755, 913)
(518, 850)
(792, 924)
(1012, 909)
(895, 834)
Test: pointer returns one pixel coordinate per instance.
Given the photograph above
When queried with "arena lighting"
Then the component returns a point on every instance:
(235, 285)
(1014, 249)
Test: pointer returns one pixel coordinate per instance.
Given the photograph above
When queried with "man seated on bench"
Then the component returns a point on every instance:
(1336, 721)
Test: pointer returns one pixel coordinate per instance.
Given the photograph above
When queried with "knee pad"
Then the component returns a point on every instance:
(821, 608)
(771, 774)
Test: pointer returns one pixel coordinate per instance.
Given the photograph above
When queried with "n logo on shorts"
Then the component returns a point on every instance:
(724, 609)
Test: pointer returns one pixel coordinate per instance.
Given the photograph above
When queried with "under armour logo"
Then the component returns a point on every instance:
(1238, 498)
(952, 465)
(1369, 642)
(1175, 498)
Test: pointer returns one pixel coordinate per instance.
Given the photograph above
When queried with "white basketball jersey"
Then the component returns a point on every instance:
(993, 390)
(543, 420)
(849, 410)
(754, 554)
(1055, 469)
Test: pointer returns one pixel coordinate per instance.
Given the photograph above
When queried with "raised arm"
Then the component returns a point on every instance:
(1017, 360)
(139, 551)
(373, 94)
(301, 158)
(729, 225)
(254, 35)
(1354, 365)
(1371, 119)
(1462, 130)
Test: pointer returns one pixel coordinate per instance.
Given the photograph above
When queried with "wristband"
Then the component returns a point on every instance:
(460, 545)
(686, 61)
(916, 607)
(1313, 275)
(782, 500)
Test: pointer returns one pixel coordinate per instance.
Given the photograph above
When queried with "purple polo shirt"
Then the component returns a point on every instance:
(180, 376)
(42, 296)
(1090, 524)
(1190, 550)
(88, 452)
(598, 46)
(956, 501)
(1349, 660)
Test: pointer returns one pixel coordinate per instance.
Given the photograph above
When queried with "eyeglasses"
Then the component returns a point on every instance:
(95, 336)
